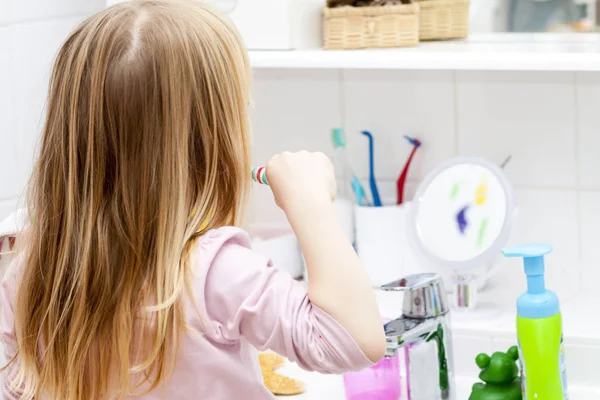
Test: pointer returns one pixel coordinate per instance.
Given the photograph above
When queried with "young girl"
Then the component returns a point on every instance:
(132, 279)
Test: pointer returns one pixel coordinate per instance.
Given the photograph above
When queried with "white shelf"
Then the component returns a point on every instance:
(511, 55)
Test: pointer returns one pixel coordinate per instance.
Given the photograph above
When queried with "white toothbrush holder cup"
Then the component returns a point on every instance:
(382, 242)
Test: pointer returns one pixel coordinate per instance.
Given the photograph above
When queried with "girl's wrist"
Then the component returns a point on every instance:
(308, 210)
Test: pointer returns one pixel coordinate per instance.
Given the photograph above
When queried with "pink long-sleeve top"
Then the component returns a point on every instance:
(246, 305)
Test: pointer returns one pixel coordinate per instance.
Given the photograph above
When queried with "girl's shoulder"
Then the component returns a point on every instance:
(215, 239)
(223, 248)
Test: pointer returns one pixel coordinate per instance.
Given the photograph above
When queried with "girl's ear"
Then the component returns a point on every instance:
(513, 352)
(482, 360)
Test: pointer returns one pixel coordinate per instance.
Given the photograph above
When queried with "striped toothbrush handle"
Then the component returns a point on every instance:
(259, 175)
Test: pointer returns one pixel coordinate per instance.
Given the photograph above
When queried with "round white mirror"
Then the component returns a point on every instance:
(460, 218)
(462, 212)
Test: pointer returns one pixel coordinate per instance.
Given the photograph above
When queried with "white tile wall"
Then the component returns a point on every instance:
(547, 121)
(4, 12)
(391, 104)
(31, 72)
(295, 110)
(583, 372)
(28, 10)
(548, 216)
(31, 32)
(470, 347)
(589, 211)
(529, 115)
(8, 206)
(9, 183)
(588, 125)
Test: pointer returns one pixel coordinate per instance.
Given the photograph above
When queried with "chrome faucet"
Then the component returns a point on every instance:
(425, 319)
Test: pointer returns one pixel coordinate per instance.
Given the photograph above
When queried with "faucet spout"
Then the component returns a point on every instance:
(410, 331)
(425, 321)
(405, 331)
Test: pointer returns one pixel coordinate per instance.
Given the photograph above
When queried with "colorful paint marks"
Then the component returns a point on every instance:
(454, 191)
(481, 192)
(481, 234)
(461, 219)
(462, 223)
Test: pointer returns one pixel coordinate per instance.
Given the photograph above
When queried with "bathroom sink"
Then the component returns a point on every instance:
(331, 387)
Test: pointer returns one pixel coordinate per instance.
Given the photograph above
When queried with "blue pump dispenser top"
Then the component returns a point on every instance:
(537, 302)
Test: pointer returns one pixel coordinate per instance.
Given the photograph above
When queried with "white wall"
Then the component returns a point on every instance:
(30, 33)
(548, 122)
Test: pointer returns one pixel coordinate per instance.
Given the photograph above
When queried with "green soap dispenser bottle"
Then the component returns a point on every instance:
(539, 330)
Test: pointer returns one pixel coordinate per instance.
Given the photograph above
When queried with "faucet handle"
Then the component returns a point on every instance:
(412, 282)
(424, 295)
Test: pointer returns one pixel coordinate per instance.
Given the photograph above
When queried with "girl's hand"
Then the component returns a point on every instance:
(301, 180)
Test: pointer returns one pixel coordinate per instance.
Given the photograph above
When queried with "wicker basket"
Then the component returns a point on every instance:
(369, 27)
(443, 19)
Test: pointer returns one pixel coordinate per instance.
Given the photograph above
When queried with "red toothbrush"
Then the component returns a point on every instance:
(401, 183)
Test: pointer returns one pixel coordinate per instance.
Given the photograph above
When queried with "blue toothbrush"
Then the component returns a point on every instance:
(372, 182)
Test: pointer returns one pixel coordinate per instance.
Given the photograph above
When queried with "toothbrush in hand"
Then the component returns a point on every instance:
(259, 175)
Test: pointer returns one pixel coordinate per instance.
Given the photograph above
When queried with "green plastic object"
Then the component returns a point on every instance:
(500, 375)
(543, 357)
(539, 329)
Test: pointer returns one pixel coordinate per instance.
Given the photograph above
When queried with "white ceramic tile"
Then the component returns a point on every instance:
(589, 206)
(581, 364)
(529, 115)
(4, 12)
(7, 207)
(9, 184)
(548, 216)
(294, 110)
(392, 104)
(466, 348)
(262, 208)
(578, 328)
(588, 120)
(28, 10)
(34, 46)
(504, 343)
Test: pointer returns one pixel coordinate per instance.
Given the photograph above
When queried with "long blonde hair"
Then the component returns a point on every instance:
(145, 147)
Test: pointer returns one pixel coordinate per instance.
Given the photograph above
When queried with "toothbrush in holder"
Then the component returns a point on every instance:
(401, 182)
(372, 181)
